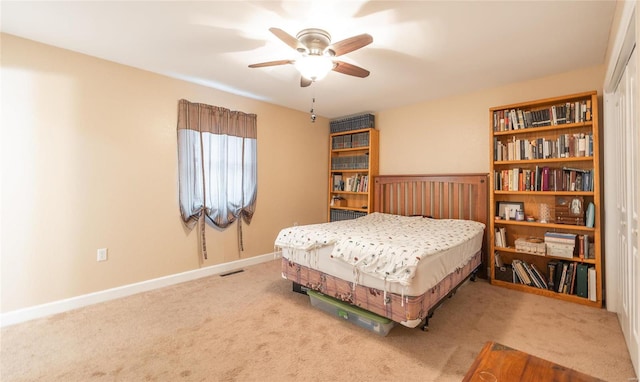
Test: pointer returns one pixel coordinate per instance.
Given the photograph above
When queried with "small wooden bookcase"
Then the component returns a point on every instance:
(353, 163)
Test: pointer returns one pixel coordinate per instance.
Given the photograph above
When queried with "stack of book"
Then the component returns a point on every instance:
(337, 215)
(355, 122)
(528, 274)
(560, 244)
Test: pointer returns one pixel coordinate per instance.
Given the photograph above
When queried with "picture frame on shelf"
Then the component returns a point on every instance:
(511, 207)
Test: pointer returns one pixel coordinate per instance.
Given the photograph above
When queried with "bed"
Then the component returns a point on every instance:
(383, 262)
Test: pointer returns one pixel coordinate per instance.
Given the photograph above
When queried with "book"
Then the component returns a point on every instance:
(566, 285)
(540, 276)
(558, 275)
(535, 281)
(563, 278)
(560, 236)
(582, 283)
(522, 273)
(581, 249)
(560, 250)
(499, 262)
(591, 272)
(516, 279)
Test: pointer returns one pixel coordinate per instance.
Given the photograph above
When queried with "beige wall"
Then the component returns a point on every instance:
(89, 161)
(452, 135)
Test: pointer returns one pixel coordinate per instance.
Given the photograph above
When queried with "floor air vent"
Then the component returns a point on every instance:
(231, 273)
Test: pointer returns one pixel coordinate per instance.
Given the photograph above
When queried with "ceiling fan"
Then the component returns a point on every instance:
(317, 54)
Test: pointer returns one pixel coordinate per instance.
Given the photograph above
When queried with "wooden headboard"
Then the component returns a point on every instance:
(450, 196)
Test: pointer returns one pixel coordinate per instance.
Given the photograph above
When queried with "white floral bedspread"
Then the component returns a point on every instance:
(385, 246)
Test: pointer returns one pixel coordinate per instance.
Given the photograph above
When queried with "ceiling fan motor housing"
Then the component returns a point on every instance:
(316, 40)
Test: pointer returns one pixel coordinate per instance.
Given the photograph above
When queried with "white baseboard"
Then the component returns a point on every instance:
(44, 310)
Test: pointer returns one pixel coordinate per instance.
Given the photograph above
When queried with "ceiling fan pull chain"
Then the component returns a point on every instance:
(313, 114)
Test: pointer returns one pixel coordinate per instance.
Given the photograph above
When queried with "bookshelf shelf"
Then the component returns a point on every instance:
(541, 193)
(546, 292)
(548, 226)
(350, 209)
(353, 162)
(349, 193)
(350, 170)
(545, 163)
(350, 149)
(534, 130)
(548, 160)
(513, 250)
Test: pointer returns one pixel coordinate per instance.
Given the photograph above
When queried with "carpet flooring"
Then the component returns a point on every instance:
(250, 326)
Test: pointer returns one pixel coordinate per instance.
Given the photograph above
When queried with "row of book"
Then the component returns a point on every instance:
(356, 122)
(564, 146)
(544, 178)
(354, 183)
(351, 162)
(350, 141)
(565, 277)
(337, 215)
(556, 244)
(572, 278)
(563, 113)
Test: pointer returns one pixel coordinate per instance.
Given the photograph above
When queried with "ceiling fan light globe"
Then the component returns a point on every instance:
(314, 67)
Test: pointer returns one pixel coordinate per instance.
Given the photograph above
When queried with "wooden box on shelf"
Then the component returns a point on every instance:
(532, 245)
(544, 156)
(339, 202)
(570, 210)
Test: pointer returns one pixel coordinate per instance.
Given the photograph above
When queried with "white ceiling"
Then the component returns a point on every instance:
(421, 50)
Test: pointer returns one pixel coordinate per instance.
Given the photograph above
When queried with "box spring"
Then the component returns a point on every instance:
(409, 311)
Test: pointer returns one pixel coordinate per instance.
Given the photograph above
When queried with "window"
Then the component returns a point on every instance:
(217, 159)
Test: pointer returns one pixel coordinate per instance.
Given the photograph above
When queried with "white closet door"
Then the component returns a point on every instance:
(627, 208)
(632, 180)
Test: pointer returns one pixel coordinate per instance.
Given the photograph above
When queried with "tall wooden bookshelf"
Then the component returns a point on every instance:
(545, 176)
(353, 162)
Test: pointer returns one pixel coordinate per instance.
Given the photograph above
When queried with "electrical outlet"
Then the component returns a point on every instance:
(102, 254)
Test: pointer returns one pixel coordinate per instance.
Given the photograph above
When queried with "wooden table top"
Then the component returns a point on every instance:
(499, 363)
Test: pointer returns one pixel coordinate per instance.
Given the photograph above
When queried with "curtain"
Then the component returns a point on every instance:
(217, 166)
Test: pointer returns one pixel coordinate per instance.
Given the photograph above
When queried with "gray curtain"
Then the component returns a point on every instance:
(217, 159)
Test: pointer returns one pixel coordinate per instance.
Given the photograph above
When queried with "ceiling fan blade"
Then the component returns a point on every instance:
(351, 44)
(349, 69)
(288, 39)
(271, 63)
(304, 82)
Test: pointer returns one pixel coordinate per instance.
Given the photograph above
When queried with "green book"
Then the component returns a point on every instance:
(582, 284)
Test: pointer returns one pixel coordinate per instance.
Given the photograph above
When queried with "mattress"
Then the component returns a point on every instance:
(397, 254)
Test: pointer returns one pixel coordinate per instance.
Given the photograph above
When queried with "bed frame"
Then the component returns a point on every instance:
(454, 196)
